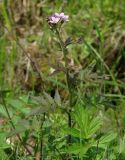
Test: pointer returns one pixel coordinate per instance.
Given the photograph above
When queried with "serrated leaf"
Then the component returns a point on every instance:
(87, 126)
(18, 105)
(39, 100)
(48, 98)
(94, 125)
(38, 111)
(20, 127)
(80, 116)
(82, 119)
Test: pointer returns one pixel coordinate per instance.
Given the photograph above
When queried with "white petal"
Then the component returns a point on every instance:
(61, 14)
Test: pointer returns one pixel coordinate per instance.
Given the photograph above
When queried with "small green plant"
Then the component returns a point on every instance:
(87, 126)
(85, 133)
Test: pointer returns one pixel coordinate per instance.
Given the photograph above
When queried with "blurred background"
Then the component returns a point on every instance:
(24, 32)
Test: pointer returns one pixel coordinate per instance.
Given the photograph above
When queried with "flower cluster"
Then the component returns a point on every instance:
(56, 17)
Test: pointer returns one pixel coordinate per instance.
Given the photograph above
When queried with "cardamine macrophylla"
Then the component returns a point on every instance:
(57, 18)
(55, 21)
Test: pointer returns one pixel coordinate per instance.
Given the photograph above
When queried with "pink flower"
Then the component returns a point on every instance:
(56, 17)
(63, 17)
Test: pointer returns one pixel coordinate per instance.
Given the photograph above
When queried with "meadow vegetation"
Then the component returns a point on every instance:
(62, 83)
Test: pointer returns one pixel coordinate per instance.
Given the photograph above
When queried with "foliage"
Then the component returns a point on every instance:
(62, 82)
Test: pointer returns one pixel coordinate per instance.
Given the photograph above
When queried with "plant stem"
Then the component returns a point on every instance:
(41, 137)
(65, 52)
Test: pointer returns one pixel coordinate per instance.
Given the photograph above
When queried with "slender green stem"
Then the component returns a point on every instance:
(41, 137)
(65, 52)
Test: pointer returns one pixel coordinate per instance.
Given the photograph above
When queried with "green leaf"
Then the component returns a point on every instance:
(105, 140)
(72, 131)
(87, 126)
(94, 125)
(3, 144)
(82, 119)
(121, 147)
(3, 155)
(5, 16)
(18, 105)
(2, 111)
(21, 127)
(24, 98)
(38, 111)
(108, 137)
(78, 149)
(74, 149)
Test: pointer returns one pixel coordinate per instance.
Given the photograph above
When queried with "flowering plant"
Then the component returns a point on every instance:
(56, 17)
(54, 20)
